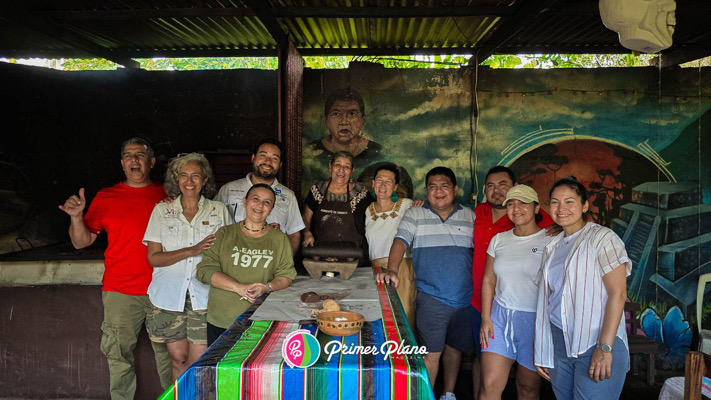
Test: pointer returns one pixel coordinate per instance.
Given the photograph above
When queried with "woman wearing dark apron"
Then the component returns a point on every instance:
(335, 208)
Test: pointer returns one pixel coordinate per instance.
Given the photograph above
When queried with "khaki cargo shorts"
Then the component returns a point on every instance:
(170, 326)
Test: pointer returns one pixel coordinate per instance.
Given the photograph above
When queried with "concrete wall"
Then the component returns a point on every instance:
(63, 130)
(50, 338)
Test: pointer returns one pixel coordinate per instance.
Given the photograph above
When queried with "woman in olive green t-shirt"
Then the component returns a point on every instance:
(248, 259)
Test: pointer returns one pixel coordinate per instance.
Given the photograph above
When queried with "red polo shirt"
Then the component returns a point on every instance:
(484, 230)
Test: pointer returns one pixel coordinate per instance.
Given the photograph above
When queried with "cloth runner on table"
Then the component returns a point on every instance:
(286, 304)
(246, 363)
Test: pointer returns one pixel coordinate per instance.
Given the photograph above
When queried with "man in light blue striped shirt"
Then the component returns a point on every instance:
(440, 236)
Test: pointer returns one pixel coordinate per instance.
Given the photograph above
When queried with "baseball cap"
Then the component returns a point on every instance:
(522, 192)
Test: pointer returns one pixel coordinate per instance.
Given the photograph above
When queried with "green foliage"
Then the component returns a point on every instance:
(547, 61)
(502, 61)
(84, 64)
(175, 64)
(327, 62)
(341, 62)
(539, 61)
(198, 63)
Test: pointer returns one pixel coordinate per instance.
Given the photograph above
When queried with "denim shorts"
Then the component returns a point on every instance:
(439, 324)
(514, 332)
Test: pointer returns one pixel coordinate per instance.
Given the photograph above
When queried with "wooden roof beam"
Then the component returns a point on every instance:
(153, 13)
(682, 55)
(200, 52)
(399, 51)
(263, 12)
(393, 12)
(525, 16)
(287, 12)
(49, 27)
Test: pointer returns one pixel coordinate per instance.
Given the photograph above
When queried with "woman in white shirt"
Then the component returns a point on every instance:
(381, 221)
(177, 235)
(581, 342)
(508, 298)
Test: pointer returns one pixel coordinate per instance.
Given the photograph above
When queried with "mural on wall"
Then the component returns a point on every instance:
(637, 146)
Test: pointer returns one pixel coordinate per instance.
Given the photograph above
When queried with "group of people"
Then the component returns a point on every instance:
(549, 300)
(185, 265)
(492, 279)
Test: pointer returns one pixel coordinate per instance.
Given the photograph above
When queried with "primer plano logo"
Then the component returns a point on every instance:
(300, 349)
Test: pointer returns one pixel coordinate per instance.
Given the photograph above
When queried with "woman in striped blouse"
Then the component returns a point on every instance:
(581, 342)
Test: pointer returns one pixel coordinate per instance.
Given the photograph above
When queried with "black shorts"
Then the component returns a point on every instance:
(439, 324)
(213, 332)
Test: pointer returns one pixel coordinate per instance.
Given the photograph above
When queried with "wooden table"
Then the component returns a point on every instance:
(246, 363)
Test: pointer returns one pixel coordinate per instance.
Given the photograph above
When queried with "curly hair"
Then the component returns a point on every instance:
(173, 171)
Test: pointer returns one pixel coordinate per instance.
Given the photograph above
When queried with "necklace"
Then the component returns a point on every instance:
(384, 215)
(253, 230)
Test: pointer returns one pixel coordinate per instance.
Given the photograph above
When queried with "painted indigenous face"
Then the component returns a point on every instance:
(384, 184)
(258, 204)
(521, 213)
(567, 209)
(137, 165)
(344, 121)
(341, 169)
(497, 185)
(191, 179)
(267, 162)
(440, 192)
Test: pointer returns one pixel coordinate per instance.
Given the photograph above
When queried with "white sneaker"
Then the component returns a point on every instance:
(448, 396)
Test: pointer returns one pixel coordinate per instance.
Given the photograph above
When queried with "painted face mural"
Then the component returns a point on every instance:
(637, 154)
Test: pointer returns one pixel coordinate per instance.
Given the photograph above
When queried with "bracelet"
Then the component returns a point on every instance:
(269, 285)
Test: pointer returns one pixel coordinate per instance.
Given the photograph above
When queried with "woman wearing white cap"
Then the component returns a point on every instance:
(508, 299)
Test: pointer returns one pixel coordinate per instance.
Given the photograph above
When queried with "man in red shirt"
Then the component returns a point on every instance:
(491, 218)
(123, 211)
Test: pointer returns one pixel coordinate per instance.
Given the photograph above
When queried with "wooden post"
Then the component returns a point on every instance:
(291, 85)
(694, 370)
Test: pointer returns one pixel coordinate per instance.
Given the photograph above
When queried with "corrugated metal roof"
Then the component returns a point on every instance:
(124, 29)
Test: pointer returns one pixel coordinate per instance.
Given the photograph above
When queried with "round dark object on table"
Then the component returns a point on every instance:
(310, 297)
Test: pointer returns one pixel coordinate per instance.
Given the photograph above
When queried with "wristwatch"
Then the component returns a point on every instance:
(606, 348)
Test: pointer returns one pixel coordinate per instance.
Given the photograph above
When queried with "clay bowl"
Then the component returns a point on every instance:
(340, 323)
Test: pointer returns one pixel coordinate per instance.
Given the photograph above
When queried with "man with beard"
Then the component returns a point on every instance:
(123, 211)
(266, 162)
(491, 218)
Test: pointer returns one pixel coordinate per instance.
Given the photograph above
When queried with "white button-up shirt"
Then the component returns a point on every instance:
(286, 209)
(596, 252)
(169, 227)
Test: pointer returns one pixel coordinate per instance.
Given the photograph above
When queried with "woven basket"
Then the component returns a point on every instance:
(340, 323)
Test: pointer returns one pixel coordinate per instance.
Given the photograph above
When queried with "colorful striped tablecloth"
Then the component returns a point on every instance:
(246, 363)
